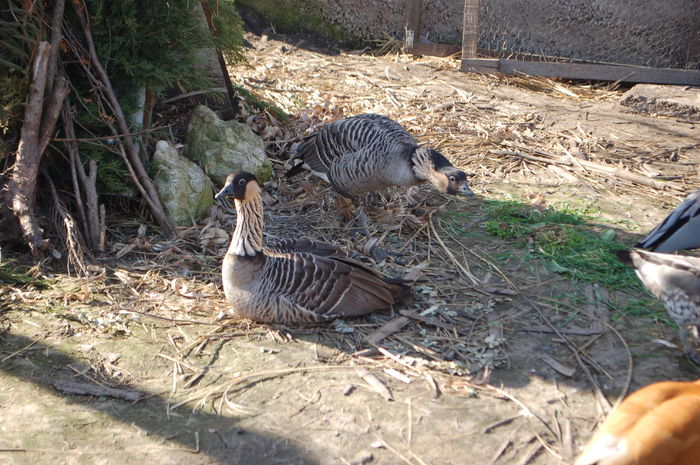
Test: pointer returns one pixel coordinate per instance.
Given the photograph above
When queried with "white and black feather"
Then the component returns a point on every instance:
(675, 281)
(679, 230)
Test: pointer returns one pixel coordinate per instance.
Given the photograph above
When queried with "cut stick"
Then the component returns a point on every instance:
(387, 330)
(558, 367)
(88, 389)
(374, 383)
(425, 319)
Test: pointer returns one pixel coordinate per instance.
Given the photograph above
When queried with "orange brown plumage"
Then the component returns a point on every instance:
(656, 425)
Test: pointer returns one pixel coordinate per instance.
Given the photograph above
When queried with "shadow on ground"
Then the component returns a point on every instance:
(144, 428)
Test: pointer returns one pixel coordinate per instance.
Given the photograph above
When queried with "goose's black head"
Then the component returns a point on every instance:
(241, 186)
(448, 179)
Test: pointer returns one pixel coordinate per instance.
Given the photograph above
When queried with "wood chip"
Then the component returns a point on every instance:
(428, 320)
(502, 422)
(398, 375)
(374, 383)
(567, 441)
(433, 384)
(558, 367)
(387, 330)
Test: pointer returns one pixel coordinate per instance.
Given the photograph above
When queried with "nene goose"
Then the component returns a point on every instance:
(656, 425)
(294, 281)
(675, 281)
(368, 153)
(680, 230)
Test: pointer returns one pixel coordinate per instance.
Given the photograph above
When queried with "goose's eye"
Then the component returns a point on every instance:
(452, 179)
(241, 182)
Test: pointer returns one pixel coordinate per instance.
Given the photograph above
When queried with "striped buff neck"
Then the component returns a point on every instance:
(247, 237)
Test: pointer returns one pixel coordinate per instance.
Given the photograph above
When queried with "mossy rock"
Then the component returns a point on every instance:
(222, 147)
(184, 188)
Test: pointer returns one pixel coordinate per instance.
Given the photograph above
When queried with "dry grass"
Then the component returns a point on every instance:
(456, 329)
(488, 138)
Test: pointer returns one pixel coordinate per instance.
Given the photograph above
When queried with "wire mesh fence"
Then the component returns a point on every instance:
(654, 33)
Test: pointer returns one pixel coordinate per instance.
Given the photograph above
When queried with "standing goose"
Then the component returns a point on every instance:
(675, 281)
(368, 153)
(679, 230)
(294, 281)
(656, 425)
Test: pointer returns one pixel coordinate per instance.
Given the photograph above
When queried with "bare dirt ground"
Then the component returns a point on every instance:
(498, 360)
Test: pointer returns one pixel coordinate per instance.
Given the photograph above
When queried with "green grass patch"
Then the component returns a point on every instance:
(566, 241)
(563, 240)
(15, 276)
(647, 307)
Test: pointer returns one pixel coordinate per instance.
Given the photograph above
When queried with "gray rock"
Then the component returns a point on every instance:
(185, 190)
(222, 147)
(678, 101)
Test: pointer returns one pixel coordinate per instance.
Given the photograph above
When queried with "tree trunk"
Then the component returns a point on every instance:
(39, 123)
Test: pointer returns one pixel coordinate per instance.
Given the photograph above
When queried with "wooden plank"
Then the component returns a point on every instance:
(470, 29)
(412, 30)
(480, 65)
(588, 71)
(436, 50)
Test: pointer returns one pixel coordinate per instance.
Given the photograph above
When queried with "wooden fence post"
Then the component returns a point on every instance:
(470, 30)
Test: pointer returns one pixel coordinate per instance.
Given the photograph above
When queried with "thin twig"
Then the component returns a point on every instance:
(459, 265)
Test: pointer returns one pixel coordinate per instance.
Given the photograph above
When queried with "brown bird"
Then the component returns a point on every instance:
(675, 281)
(656, 425)
(294, 280)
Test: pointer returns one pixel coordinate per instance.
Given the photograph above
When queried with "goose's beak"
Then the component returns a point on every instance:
(463, 189)
(226, 191)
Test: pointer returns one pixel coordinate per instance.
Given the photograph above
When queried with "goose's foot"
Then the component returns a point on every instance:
(370, 249)
(360, 223)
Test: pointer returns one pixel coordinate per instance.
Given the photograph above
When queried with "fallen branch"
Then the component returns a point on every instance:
(89, 389)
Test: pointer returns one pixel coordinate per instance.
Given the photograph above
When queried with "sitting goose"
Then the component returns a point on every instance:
(679, 230)
(675, 281)
(370, 152)
(294, 281)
